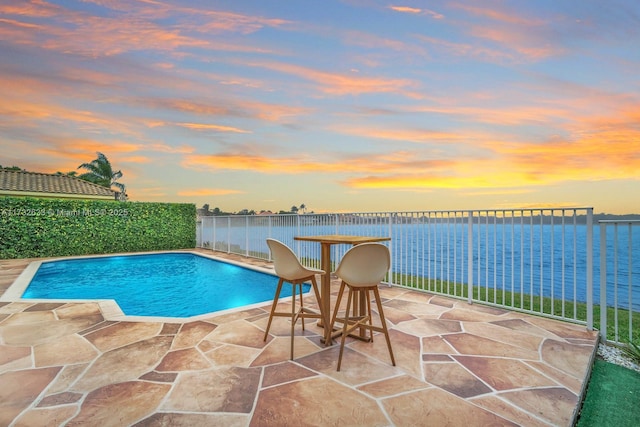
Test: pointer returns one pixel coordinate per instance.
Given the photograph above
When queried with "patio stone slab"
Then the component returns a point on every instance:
(433, 407)
(561, 329)
(504, 335)
(279, 349)
(191, 420)
(218, 390)
(45, 306)
(436, 345)
(46, 416)
(239, 315)
(521, 325)
(472, 344)
(75, 311)
(393, 386)
(170, 328)
(14, 307)
(14, 357)
(572, 383)
(284, 372)
(417, 308)
(60, 399)
(232, 355)
(509, 411)
(27, 317)
(357, 368)
(406, 349)
(316, 401)
(504, 374)
(124, 363)
(67, 376)
(192, 333)
(20, 389)
(188, 359)
(554, 353)
(42, 332)
(475, 313)
(160, 377)
(441, 301)
(68, 349)
(122, 333)
(238, 332)
(455, 379)
(554, 405)
(396, 316)
(429, 327)
(134, 400)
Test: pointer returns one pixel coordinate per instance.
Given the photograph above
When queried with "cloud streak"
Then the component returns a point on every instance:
(416, 11)
(340, 83)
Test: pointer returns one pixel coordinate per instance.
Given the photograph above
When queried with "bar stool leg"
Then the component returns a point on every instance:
(273, 308)
(345, 327)
(385, 330)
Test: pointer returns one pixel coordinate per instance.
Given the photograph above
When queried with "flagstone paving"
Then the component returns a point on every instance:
(458, 364)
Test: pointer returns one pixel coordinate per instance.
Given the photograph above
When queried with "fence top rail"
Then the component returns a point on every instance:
(399, 213)
(619, 221)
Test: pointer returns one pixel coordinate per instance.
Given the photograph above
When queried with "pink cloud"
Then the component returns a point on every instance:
(417, 11)
(340, 84)
(208, 192)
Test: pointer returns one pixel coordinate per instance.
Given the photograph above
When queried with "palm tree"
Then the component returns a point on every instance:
(303, 208)
(101, 173)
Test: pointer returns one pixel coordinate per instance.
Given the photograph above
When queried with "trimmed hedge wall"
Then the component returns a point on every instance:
(31, 227)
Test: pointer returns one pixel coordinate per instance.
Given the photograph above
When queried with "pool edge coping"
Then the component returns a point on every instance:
(109, 308)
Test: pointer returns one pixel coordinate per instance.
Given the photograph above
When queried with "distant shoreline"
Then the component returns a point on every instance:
(615, 217)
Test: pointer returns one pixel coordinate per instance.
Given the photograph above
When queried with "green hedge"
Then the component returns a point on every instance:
(32, 227)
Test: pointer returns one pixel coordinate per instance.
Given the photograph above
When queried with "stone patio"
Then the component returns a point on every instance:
(458, 364)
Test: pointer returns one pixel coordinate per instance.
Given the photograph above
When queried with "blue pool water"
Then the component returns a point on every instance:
(167, 285)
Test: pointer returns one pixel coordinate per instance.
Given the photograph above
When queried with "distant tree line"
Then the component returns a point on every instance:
(207, 211)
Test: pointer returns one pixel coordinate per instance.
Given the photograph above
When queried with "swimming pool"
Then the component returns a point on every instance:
(162, 285)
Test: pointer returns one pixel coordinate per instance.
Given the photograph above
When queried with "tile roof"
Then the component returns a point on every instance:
(21, 183)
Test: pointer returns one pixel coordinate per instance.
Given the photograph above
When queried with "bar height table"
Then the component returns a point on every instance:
(325, 260)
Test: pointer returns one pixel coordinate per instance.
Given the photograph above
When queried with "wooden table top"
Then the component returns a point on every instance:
(341, 238)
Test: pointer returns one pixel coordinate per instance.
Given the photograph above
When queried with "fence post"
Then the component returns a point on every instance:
(228, 234)
(589, 269)
(298, 243)
(269, 235)
(390, 228)
(603, 282)
(470, 259)
(213, 234)
(246, 235)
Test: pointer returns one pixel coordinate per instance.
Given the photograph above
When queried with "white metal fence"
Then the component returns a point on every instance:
(619, 280)
(539, 261)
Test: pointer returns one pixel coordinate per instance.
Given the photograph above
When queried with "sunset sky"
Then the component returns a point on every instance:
(353, 105)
